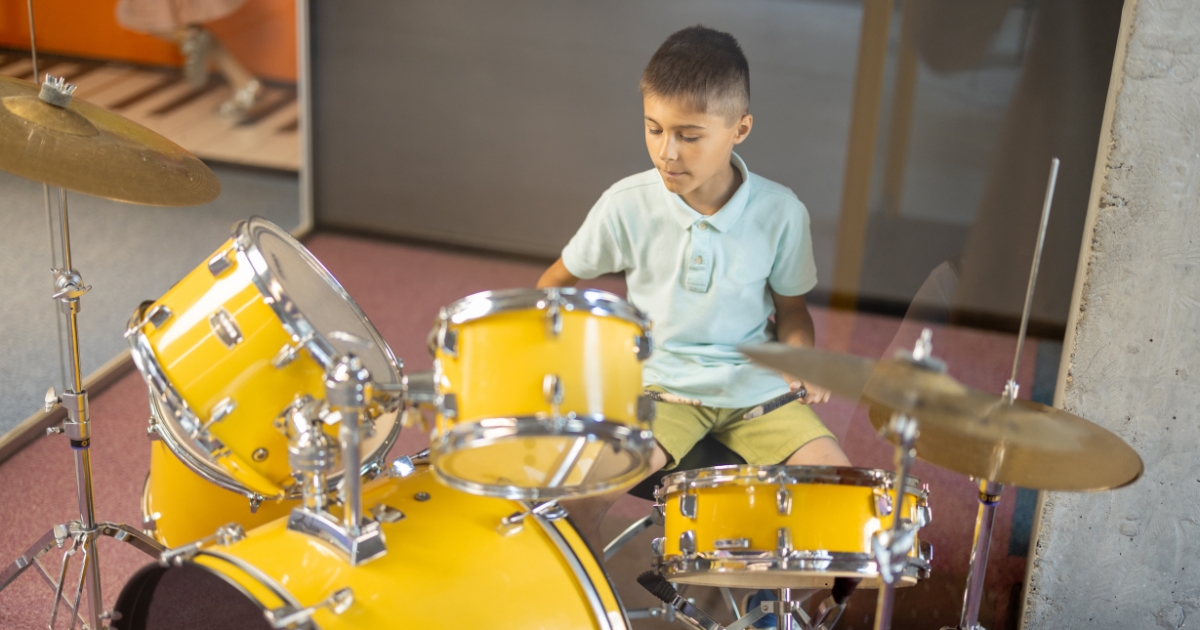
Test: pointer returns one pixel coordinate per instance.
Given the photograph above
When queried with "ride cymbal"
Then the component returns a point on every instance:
(82, 147)
(975, 433)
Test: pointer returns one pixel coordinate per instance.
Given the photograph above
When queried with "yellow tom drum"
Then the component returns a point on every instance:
(240, 339)
(783, 526)
(447, 565)
(539, 393)
(180, 507)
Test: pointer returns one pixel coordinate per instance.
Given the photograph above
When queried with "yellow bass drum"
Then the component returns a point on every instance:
(447, 566)
(783, 526)
(539, 393)
(238, 341)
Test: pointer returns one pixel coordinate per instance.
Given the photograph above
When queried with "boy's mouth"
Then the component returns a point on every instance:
(673, 174)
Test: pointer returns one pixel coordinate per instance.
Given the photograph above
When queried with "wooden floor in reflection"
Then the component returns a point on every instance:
(160, 99)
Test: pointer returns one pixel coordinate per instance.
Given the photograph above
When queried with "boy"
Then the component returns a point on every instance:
(710, 252)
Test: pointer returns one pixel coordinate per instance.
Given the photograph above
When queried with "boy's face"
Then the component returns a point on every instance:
(689, 147)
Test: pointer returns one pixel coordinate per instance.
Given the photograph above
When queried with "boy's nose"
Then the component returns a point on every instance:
(667, 151)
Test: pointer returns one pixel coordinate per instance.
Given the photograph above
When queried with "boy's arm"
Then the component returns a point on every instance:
(794, 327)
(558, 276)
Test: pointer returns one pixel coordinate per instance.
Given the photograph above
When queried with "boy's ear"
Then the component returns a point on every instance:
(743, 126)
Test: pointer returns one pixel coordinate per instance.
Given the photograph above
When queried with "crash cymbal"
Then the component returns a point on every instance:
(89, 149)
(899, 383)
(1023, 444)
(966, 430)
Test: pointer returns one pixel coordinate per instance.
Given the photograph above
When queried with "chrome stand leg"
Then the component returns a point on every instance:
(989, 496)
(891, 550)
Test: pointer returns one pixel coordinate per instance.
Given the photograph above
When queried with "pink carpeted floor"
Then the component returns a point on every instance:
(401, 288)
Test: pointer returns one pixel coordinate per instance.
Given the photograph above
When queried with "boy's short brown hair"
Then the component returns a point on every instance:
(703, 67)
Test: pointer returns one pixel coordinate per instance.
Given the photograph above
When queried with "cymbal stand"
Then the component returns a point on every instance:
(82, 533)
(891, 546)
(989, 492)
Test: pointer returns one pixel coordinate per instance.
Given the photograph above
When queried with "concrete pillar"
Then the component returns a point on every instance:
(1130, 558)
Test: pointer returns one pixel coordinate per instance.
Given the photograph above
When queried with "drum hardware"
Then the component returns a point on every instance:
(287, 617)
(554, 306)
(224, 536)
(76, 538)
(660, 588)
(891, 548)
(314, 455)
(549, 511)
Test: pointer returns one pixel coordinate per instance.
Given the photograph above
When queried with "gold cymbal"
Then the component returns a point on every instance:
(966, 430)
(89, 149)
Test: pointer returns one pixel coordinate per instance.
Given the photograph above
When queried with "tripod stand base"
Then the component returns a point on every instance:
(72, 532)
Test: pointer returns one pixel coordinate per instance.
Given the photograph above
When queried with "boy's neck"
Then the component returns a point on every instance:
(713, 194)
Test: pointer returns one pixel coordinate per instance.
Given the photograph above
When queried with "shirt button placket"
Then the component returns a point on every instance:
(699, 271)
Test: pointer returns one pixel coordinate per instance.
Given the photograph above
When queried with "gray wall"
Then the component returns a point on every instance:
(1127, 558)
(498, 124)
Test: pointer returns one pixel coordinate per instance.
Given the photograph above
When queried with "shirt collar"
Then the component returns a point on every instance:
(726, 216)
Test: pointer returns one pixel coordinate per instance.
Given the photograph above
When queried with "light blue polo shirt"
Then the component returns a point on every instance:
(704, 281)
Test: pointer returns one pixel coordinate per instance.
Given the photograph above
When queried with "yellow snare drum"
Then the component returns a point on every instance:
(239, 339)
(539, 393)
(446, 566)
(783, 526)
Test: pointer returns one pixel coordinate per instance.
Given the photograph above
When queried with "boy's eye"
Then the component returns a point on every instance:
(654, 131)
(690, 138)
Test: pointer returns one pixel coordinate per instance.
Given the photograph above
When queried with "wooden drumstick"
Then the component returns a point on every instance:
(671, 398)
(775, 403)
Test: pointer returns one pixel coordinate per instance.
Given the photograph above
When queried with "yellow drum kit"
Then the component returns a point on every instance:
(271, 503)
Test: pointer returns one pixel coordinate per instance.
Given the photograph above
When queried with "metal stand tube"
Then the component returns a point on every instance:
(989, 496)
(784, 618)
(906, 428)
(77, 425)
(351, 482)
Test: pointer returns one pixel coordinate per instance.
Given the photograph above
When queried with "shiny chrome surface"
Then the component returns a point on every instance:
(596, 302)
(203, 462)
(247, 235)
(749, 474)
(620, 437)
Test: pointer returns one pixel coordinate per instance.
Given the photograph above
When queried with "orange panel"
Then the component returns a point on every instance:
(262, 34)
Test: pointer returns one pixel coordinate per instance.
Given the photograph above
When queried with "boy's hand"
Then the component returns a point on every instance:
(816, 393)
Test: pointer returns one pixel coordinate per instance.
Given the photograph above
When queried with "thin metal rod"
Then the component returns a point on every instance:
(1037, 258)
(58, 316)
(989, 496)
(32, 40)
(905, 453)
(65, 226)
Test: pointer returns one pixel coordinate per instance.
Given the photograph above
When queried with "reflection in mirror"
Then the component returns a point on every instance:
(216, 77)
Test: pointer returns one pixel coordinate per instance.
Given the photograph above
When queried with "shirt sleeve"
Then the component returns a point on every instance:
(794, 272)
(598, 247)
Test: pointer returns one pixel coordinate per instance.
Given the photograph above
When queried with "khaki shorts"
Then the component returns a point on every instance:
(766, 440)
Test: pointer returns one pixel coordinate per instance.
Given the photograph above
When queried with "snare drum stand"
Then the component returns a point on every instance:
(80, 533)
